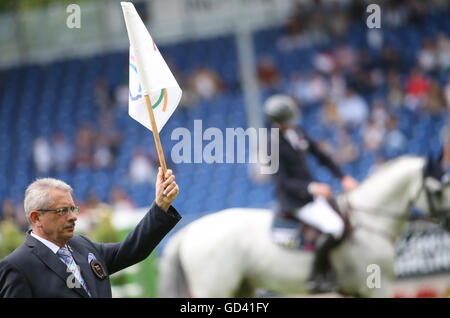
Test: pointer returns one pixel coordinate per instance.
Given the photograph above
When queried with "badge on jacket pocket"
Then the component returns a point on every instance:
(96, 266)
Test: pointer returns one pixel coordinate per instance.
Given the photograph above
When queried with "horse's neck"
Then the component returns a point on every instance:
(384, 198)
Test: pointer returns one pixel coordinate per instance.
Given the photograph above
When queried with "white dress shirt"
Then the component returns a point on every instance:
(52, 246)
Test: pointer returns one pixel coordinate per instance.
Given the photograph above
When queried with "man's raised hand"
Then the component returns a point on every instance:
(166, 189)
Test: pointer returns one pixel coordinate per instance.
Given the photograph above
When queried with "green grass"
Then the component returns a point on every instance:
(146, 275)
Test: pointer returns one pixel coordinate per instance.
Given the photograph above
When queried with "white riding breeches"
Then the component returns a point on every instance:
(322, 216)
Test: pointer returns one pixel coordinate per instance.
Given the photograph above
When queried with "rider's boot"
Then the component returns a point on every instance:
(322, 278)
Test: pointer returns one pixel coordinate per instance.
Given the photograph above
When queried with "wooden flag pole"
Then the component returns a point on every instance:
(162, 160)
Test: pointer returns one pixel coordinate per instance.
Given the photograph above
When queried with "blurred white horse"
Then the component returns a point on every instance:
(231, 253)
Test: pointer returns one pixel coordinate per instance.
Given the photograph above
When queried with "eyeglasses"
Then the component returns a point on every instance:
(64, 211)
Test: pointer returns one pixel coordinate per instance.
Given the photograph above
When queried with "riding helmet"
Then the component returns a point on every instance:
(281, 109)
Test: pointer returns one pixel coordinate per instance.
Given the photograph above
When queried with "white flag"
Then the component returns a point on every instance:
(149, 74)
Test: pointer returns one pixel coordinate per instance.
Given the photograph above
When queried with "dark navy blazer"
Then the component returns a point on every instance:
(33, 270)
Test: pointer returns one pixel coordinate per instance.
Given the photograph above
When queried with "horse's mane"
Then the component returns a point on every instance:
(391, 168)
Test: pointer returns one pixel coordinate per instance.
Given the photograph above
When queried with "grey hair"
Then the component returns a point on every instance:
(37, 195)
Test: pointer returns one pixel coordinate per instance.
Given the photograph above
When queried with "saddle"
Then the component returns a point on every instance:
(289, 232)
(345, 216)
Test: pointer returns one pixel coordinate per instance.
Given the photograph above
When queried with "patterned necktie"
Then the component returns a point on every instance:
(67, 258)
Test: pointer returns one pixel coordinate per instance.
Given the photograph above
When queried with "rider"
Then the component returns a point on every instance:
(297, 193)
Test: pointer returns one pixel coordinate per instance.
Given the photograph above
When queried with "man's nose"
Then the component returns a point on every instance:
(72, 216)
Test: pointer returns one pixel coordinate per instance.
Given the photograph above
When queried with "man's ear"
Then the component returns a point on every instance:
(34, 217)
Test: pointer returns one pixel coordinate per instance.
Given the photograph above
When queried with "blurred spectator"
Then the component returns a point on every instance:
(373, 135)
(102, 96)
(121, 91)
(346, 150)
(339, 24)
(443, 52)
(293, 31)
(13, 213)
(298, 87)
(447, 93)
(8, 211)
(418, 10)
(120, 200)
(374, 38)
(306, 27)
(268, 74)
(329, 114)
(436, 98)
(337, 86)
(92, 202)
(352, 109)
(109, 134)
(427, 56)
(396, 13)
(308, 90)
(417, 88)
(42, 156)
(93, 212)
(107, 142)
(346, 58)
(366, 60)
(379, 113)
(121, 95)
(377, 80)
(390, 60)
(141, 169)
(325, 61)
(154, 160)
(446, 151)
(21, 220)
(206, 83)
(363, 82)
(395, 143)
(356, 10)
(395, 92)
(317, 87)
(84, 146)
(374, 131)
(62, 152)
(190, 96)
(102, 156)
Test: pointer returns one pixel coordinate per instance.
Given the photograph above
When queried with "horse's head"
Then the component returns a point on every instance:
(434, 196)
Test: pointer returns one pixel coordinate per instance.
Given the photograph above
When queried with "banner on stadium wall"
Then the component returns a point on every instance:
(173, 11)
(423, 249)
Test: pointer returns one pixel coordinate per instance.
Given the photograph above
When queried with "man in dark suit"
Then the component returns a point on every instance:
(297, 193)
(54, 263)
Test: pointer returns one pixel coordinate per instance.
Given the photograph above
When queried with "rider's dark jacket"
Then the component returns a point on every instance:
(293, 176)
